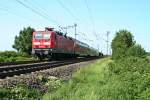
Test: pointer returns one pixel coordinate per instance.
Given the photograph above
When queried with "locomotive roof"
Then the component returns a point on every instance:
(77, 41)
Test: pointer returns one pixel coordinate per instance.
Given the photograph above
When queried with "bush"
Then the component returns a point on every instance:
(4, 93)
(23, 42)
(134, 76)
(8, 56)
(130, 68)
(101, 54)
(19, 92)
(121, 43)
(53, 83)
(148, 53)
(136, 51)
(11, 56)
(2, 59)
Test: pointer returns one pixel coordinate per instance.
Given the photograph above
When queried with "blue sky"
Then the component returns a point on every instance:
(104, 15)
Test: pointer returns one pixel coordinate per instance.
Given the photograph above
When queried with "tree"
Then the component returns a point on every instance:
(136, 51)
(121, 43)
(23, 42)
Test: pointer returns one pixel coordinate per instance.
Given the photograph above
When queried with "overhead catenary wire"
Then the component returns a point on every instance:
(59, 1)
(93, 24)
(86, 38)
(5, 9)
(37, 12)
(40, 9)
(10, 12)
(76, 12)
(84, 35)
(69, 12)
(92, 21)
(91, 17)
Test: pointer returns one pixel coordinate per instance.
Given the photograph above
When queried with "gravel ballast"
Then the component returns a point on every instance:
(61, 72)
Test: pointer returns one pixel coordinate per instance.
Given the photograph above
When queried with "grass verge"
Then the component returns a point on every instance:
(12, 56)
(86, 84)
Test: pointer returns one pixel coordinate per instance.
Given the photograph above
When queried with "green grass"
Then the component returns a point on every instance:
(12, 56)
(148, 57)
(124, 79)
(86, 84)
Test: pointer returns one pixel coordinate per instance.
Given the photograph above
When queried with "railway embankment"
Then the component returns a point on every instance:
(124, 79)
(84, 84)
(39, 82)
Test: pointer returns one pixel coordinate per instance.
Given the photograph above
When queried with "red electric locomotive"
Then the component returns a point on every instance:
(53, 44)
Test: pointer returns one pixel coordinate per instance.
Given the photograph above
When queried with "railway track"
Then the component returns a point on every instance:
(9, 71)
(18, 63)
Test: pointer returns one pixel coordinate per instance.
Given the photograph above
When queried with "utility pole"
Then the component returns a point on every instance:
(75, 29)
(75, 33)
(98, 47)
(108, 42)
(69, 26)
(64, 28)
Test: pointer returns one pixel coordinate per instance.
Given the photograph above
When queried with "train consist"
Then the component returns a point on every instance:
(54, 44)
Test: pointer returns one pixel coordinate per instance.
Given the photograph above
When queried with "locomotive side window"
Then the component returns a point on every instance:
(38, 36)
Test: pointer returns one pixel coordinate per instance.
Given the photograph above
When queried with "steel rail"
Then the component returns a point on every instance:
(9, 71)
(18, 63)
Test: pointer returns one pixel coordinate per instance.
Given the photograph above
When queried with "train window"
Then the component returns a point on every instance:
(38, 36)
(46, 36)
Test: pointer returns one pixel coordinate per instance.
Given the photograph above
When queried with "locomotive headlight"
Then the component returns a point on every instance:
(36, 43)
(46, 43)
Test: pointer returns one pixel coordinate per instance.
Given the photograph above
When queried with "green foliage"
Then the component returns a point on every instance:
(148, 53)
(84, 85)
(19, 92)
(24, 93)
(4, 93)
(136, 51)
(8, 56)
(121, 43)
(23, 42)
(11, 56)
(123, 79)
(134, 75)
(53, 83)
(32, 91)
(101, 54)
(130, 68)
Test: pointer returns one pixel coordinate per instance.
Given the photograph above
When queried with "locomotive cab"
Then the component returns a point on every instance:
(42, 43)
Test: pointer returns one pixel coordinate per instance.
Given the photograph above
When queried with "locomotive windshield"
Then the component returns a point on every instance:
(41, 36)
(38, 36)
(46, 36)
